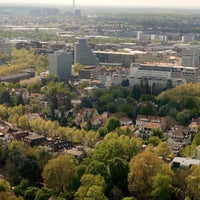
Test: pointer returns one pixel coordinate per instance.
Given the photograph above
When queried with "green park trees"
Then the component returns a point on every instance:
(58, 173)
(143, 169)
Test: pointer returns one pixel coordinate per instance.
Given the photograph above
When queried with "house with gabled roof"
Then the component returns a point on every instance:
(147, 123)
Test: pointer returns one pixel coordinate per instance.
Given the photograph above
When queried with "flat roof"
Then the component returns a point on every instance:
(186, 161)
(114, 52)
(150, 64)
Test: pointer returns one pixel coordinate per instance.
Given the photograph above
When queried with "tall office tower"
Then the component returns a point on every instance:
(84, 54)
(60, 64)
(190, 56)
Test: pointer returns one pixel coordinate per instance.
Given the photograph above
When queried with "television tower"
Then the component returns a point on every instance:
(74, 5)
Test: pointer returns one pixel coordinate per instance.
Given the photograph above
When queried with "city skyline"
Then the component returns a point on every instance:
(114, 3)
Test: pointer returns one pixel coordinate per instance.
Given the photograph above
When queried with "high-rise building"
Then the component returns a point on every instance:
(190, 56)
(84, 54)
(60, 64)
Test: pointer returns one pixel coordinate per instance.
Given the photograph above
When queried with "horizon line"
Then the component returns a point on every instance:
(101, 6)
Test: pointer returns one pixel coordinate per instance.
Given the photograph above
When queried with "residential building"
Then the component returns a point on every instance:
(84, 54)
(190, 56)
(60, 64)
(147, 123)
(178, 138)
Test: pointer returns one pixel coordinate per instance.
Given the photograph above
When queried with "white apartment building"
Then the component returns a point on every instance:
(161, 73)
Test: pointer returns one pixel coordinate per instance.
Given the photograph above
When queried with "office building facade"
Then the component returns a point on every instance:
(60, 64)
(190, 56)
(84, 54)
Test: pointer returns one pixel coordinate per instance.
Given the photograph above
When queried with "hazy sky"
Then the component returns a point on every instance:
(127, 3)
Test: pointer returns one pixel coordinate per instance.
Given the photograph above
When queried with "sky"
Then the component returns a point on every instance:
(118, 3)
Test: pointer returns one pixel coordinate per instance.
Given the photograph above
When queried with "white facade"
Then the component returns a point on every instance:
(187, 38)
(163, 73)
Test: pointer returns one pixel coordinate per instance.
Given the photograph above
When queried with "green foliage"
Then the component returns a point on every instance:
(143, 168)
(4, 186)
(196, 140)
(3, 112)
(116, 146)
(9, 196)
(158, 132)
(163, 149)
(193, 182)
(43, 194)
(119, 169)
(154, 140)
(189, 151)
(23, 59)
(182, 118)
(59, 172)
(20, 189)
(125, 83)
(87, 190)
(162, 187)
(95, 167)
(112, 124)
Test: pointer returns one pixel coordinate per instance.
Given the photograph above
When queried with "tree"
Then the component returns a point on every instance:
(95, 193)
(190, 151)
(196, 140)
(5, 97)
(58, 172)
(118, 174)
(96, 167)
(136, 92)
(4, 186)
(163, 149)
(125, 83)
(162, 187)
(193, 182)
(143, 168)
(43, 194)
(3, 112)
(114, 145)
(23, 122)
(158, 132)
(112, 124)
(9, 196)
(154, 140)
(88, 181)
(182, 118)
